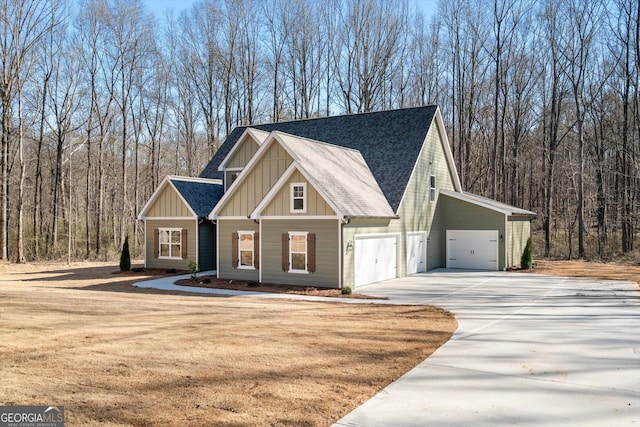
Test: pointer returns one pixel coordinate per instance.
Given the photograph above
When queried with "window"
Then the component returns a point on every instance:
(170, 243)
(298, 252)
(298, 197)
(432, 188)
(245, 249)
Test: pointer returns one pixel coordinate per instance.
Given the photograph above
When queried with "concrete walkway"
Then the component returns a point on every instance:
(530, 350)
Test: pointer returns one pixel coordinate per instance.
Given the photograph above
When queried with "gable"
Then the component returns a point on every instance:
(389, 141)
(244, 195)
(168, 203)
(280, 204)
(246, 149)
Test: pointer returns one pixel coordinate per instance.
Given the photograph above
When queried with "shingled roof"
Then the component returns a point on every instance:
(389, 141)
(200, 196)
(340, 174)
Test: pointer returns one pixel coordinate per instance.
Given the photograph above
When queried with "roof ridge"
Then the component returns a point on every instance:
(316, 141)
(194, 179)
(308, 119)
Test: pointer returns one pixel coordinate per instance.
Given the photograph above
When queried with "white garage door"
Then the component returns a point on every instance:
(375, 258)
(416, 252)
(472, 249)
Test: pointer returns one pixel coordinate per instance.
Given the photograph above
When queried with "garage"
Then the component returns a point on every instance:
(416, 252)
(472, 249)
(376, 258)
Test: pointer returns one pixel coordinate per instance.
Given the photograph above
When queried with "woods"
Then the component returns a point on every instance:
(100, 99)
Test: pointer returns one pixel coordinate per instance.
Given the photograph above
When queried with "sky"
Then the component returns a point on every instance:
(159, 6)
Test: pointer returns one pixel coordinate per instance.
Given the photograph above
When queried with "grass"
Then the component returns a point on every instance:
(113, 355)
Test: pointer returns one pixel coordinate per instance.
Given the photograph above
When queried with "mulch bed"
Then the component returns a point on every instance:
(213, 282)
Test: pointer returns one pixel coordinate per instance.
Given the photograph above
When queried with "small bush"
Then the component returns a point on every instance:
(194, 268)
(526, 261)
(346, 290)
(125, 256)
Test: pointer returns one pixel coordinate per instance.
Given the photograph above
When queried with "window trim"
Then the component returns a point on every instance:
(306, 252)
(240, 250)
(293, 198)
(432, 187)
(171, 245)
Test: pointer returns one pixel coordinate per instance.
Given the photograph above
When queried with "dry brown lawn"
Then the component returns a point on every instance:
(112, 354)
(594, 270)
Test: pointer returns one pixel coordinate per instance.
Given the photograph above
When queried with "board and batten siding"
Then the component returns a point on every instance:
(168, 204)
(327, 272)
(460, 215)
(417, 212)
(257, 184)
(151, 259)
(225, 267)
(280, 205)
(207, 246)
(243, 154)
(518, 231)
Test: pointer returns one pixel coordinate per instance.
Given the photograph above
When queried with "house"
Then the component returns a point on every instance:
(350, 200)
(176, 227)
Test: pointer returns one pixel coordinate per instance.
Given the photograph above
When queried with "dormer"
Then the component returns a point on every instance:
(235, 161)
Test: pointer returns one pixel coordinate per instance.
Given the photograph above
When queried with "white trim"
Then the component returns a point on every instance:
(424, 249)
(253, 254)
(462, 197)
(169, 218)
(232, 169)
(260, 252)
(278, 186)
(288, 172)
(232, 217)
(145, 245)
(504, 238)
(306, 252)
(245, 171)
(217, 247)
(171, 245)
(433, 192)
(294, 217)
(437, 119)
(293, 198)
(197, 260)
(258, 136)
(340, 255)
(168, 179)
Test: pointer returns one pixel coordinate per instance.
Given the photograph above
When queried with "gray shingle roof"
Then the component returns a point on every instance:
(389, 141)
(342, 174)
(201, 196)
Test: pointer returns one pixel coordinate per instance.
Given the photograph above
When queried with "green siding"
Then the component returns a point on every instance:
(416, 212)
(518, 231)
(327, 252)
(207, 246)
(179, 264)
(168, 204)
(258, 182)
(243, 154)
(225, 268)
(460, 215)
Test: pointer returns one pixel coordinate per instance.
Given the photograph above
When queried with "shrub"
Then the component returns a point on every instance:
(125, 256)
(526, 261)
(346, 290)
(194, 268)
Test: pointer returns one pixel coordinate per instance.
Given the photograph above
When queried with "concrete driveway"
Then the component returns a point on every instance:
(530, 350)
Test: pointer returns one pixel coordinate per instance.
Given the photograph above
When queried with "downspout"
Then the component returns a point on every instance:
(260, 251)
(506, 252)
